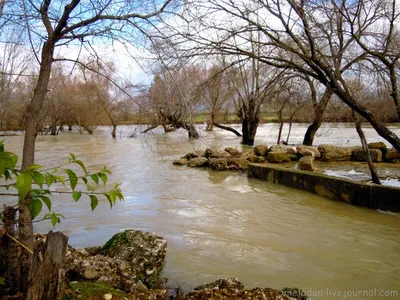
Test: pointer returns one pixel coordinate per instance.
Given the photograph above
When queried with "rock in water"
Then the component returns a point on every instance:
(306, 163)
(261, 150)
(218, 164)
(306, 150)
(198, 162)
(360, 155)
(144, 252)
(232, 151)
(335, 153)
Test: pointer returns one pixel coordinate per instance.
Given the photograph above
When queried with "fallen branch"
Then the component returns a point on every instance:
(227, 128)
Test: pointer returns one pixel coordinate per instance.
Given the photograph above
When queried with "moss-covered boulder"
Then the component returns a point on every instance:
(308, 151)
(232, 151)
(278, 157)
(380, 146)
(214, 153)
(143, 251)
(359, 155)
(306, 163)
(218, 164)
(239, 164)
(190, 155)
(335, 153)
(180, 162)
(283, 148)
(256, 159)
(261, 150)
(393, 156)
(198, 162)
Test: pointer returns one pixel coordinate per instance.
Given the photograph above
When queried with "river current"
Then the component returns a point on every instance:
(222, 224)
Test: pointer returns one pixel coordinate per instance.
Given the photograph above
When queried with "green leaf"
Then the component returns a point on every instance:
(72, 156)
(38, 178)
(103, 177)
(60, 179)
(10, 159)
(89, 187)
(84, 180)
(80, 163)
(76, 195)
(93, 201)
(50, 179)
(95, 178)
(120, 195)
(46, 201)
(35, 206)
(2, 167)
(7, 175)
(73, 179)
(34, 167)
(2, 281)
(109, 199)
(23, 184)
(113, 196)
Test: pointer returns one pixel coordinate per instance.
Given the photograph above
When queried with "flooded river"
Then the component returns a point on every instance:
(225, 224)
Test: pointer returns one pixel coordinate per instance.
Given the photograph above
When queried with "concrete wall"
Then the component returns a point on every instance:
(334, 188)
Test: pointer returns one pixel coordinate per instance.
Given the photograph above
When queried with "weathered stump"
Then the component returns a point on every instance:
(47, 275)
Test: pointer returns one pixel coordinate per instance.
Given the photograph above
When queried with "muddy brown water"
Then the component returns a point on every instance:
(225, 224)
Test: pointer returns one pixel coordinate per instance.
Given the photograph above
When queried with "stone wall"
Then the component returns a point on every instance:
(334, 188)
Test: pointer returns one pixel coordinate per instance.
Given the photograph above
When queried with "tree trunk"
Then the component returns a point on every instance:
(280, 118)
(249, 130)
(227, 128)
(289, 131)
(47, 276)
(13, 269)
(319, 112)
(114, 130)
(28, 156)
(371, 166)
(381, 129)
(395, 91)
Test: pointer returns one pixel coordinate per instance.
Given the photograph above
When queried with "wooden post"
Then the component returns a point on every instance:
(47, 275)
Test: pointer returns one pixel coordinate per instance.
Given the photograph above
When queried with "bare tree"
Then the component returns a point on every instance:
(52, 25)
(312, 37)
(382, 41)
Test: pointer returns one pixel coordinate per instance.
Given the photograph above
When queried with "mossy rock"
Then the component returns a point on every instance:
(143, 251)
(261, 150)
(360, 155)
(380, 146)
(91, 291)
(232, 151)
(278, 157)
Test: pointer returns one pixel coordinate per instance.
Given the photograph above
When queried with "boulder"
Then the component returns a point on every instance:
(261, 150)
(190, 156)
(335, 153)
(240, 164)
(308, 150)
(306, 163)
(256, 159)
(198, 162)
(144, 252)
(80, 265)
(232, 151)
(278, 157)
(231, 288)
(283, 148)
(180, 162)
(359, 155)
(218, 164)
(379, 145)
(393, 155)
